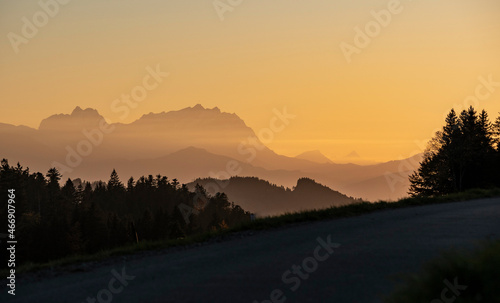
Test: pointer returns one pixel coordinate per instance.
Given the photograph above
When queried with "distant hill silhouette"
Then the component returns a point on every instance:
(263, 198)
(353, 155)
(191, 143)
(314, 156)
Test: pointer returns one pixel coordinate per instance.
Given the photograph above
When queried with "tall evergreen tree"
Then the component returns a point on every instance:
(459, 157)
(114, 183)
(53, 178)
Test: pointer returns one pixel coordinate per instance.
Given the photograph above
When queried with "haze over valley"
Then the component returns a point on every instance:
(191, 143)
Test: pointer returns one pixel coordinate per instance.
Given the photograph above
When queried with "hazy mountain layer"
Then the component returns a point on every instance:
(186, 144)
(263, 198)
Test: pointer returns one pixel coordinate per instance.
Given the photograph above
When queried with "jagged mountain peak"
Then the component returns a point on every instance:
(79, 118)
(200, 107)
(78, 111)
(195, 112)
(196, 117)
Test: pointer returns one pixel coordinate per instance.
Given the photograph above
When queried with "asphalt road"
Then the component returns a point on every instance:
(265, 266)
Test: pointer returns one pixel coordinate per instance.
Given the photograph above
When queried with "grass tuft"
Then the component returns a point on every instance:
(475, 272)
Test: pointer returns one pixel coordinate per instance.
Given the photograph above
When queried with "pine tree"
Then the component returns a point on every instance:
(459, 157)
(69, 191)
(130, 184)
(114, 183)
(53, 178)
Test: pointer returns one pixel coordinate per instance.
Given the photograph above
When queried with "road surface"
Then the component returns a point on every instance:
(342, 260)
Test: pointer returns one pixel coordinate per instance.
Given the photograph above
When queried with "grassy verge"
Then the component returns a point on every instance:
(455, 277)
(262, 224)
(118, 251)
(363, 208)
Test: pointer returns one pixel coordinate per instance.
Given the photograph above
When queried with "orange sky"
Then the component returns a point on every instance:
(264, 55)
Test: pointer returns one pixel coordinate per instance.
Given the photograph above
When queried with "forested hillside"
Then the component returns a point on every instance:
(54, 221)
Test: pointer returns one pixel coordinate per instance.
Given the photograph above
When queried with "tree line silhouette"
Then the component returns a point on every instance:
(54, 221)
(465, 154)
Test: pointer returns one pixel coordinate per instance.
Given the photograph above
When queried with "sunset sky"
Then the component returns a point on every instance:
(263, 55)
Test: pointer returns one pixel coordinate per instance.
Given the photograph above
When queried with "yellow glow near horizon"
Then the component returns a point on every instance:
(264, 55)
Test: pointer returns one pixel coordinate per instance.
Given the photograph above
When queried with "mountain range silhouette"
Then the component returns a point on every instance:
(186, 144)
